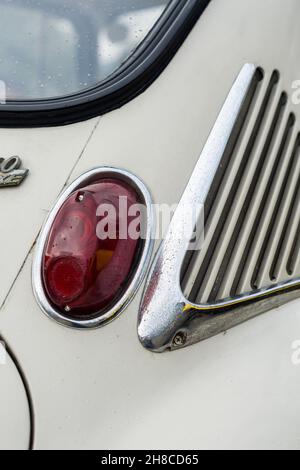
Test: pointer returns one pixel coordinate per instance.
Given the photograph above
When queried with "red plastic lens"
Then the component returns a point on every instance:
(83, 274)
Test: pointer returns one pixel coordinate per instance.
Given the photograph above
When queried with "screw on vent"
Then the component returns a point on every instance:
(83, 274)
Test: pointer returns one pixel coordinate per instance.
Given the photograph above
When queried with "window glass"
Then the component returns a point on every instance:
(54, 48)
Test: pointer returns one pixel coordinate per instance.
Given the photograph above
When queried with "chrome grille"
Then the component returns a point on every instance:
(246, 182)
(252, 212)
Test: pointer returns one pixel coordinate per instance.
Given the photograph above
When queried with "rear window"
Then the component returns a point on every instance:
(65, 61)
(55, 48)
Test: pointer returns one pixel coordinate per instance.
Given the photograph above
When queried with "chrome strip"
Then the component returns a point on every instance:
(38, 288)
(167, 320)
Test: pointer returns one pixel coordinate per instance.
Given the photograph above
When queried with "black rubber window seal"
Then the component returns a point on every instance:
(136, 74)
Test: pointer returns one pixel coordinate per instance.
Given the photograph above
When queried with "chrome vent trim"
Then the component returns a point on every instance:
(247, 179)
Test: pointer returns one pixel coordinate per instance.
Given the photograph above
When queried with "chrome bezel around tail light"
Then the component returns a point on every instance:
(89, 177)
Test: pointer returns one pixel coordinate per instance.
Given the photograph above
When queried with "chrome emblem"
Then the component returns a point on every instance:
(11, 173)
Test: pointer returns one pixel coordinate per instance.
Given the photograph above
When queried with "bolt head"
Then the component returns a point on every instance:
(179, 340)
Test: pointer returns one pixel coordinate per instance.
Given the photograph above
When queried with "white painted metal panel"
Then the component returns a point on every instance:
(14, 407)
(100, 389)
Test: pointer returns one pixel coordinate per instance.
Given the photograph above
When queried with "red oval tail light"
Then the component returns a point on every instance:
(90, 256)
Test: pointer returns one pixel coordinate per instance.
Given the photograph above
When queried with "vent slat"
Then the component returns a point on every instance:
(228, 191)
(252, 219)
(254, 148)
(251, 194)
(284, 200)
(266, 215)
(241, 282)
(286, 235)
(294, 257)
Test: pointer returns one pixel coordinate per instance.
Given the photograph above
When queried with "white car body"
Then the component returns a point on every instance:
(100, 389)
